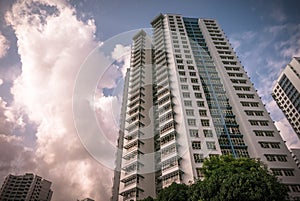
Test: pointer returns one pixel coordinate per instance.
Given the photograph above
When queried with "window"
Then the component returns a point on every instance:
(184, 87)
(250, 96)
(198, 95)
(275, 145)
(194, 80)
(191, 68)
(288, 172)
(200, 103)
(281, 158)
(202, 113)
(264, 133)
(187, 103)
(193, 133)
(204, 122)
(192, 73)
(181, 73)
(269, 133)
(253, 122)
(264, 144)
(264, 123)
(207, 133)
(191, 122)
(196, 88)
(181, 67)
(270, 157)
(186, 95)
(211, 145)
(189, 112)
(196, 145)
(183, 79)
(295, 188)
(198, 158)
(277, 172)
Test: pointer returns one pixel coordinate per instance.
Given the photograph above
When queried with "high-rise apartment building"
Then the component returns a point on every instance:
(286, 93)
(26, 187)
(190, 98)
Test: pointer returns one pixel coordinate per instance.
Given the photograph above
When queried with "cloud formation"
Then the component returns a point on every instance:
(52, 44)
(4, 45)
(14, 155)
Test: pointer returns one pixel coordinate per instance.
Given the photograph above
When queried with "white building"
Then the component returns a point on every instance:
(26, 187)
(286, 93)
(189, 98)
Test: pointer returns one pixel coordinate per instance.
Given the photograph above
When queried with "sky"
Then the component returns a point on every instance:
(44, 45)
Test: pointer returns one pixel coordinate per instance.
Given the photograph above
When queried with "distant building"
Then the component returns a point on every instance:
(296, 156)
(286, 93)
(26, 187)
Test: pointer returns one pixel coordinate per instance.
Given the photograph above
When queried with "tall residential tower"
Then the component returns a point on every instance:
(189, 98)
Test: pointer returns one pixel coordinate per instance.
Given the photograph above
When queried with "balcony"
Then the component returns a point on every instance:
(131, 193)
(170, 165)
(171, 177)
(168, 139)
(133, 135)
(134, 144)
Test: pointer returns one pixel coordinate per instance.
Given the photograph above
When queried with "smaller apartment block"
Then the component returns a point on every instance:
(286, 93)
(26, 187)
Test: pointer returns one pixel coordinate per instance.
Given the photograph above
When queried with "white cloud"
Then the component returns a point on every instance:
(287, 133)
(1, 81)
(4, 45)
(122, 54)
(52, 44)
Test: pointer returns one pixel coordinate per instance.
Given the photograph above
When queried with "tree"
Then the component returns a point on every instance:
(243, 179)
(174, 192)
(228, 179)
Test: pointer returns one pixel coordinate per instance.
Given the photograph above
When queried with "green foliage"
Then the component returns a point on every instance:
(174, 192)
(243, 179)
(228, 179)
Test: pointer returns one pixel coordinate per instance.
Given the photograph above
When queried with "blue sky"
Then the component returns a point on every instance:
(44, 42)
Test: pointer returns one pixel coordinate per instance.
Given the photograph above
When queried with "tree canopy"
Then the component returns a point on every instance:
(229, 179)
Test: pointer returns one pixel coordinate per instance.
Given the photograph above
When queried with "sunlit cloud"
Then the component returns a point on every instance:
(52, 44)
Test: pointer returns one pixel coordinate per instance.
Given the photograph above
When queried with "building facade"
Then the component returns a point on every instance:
(26, 187)
(296, 156)
(286, 93)
(190, 98)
